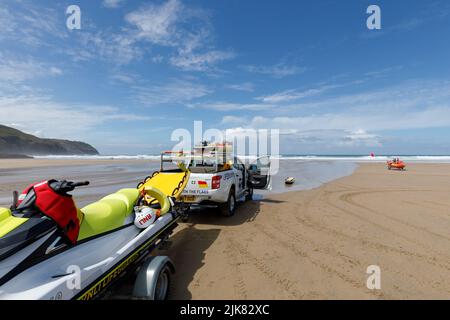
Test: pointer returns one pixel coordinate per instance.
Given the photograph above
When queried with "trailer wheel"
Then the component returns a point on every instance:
(229, 208)
(153, 281)
(162, 288)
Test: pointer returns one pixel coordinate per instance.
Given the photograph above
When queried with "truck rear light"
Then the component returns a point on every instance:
(215, 183)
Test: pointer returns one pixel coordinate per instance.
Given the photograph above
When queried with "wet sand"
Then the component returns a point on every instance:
(105, 176)
(318, 244)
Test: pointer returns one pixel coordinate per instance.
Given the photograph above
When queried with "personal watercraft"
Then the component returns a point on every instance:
(396, 164)
(50, 249)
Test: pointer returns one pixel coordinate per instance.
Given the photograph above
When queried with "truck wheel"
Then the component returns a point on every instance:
(228, 209)
(249, 195)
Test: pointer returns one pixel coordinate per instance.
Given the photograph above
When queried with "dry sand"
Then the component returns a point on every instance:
(318, 244)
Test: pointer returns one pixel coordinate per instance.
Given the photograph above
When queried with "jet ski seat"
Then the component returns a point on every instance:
(107, 214)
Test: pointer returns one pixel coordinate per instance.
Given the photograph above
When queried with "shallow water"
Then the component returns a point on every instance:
(308, 174)
(106, 179)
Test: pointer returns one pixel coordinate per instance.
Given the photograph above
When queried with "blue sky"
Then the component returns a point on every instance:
(137, 70)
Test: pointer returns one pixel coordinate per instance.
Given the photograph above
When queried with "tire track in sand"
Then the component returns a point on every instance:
(239, 283)
(274, 276)
(315, 225)
(349, 198)
(325, 267)
(331, 203)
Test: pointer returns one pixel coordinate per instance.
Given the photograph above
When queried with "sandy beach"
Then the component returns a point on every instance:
(305, 244)
(317, 244)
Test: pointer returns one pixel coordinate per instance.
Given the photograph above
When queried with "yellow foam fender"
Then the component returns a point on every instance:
(154, 193)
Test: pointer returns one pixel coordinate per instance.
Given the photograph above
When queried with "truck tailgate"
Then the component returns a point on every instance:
(198, 184)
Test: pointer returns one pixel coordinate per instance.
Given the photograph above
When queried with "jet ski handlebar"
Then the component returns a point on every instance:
(64, 186)
(79, 184)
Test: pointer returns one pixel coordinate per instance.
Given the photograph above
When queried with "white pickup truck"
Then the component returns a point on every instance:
(223, 184)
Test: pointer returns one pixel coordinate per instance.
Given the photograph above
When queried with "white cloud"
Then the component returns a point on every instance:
(158, 23)
(283, 96)
(246, 86)
(124, 78)
(185, 30)
(200, 62)
(431, 117)
(359, 119)
(291, 95)
(30, 25)
(108, 46)
(233, 120)
(19, 69)
(40, 114)
(55, 71)
(112, 3)
(361, 137)
(229, 106)
(174, 92)
(318, 139)
(279, 70)
(188, 31)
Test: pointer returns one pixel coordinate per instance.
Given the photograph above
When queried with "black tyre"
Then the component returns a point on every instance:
(229, 208)
(249, 195)
(163, 284)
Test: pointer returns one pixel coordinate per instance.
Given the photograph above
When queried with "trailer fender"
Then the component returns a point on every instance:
(146, 280)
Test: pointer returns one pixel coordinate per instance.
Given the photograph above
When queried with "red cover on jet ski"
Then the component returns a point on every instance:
(60, 208)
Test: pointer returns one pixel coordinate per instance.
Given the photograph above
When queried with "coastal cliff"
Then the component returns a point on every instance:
(15, 142)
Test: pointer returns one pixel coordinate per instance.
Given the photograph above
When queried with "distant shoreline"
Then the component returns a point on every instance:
(153, 157)
(15, 156)
(351, 158)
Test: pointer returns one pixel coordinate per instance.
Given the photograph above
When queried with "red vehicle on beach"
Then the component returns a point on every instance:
(396, 164)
